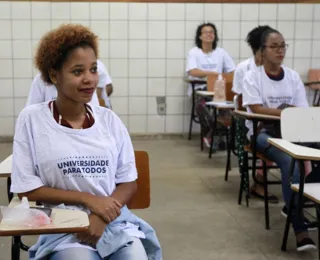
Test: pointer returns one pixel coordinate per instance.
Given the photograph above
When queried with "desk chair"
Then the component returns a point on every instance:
(141, 199)
(102, 103)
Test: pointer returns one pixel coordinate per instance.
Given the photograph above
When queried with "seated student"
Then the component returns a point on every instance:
(41, 91)
(105, 87)
(101, 180)
(267, 90)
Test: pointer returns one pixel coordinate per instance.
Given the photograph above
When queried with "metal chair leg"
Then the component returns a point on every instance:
(266, 201)
(318, 222)
(228, 165)
(10, 194)
(201, 138)
(288, 221)
(15, 248)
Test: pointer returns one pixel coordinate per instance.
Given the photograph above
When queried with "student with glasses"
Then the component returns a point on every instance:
(268, 90)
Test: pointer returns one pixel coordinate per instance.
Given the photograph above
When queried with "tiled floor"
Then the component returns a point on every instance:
(195, 212)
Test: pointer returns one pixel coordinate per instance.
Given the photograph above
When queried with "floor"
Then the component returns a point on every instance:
(194, 211)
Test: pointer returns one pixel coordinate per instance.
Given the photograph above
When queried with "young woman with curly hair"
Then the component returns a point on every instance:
(66, 152)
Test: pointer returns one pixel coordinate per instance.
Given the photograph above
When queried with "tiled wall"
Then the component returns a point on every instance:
(144, 48)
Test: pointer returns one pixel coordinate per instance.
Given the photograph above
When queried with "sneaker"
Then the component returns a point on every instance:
(312, 226)
(306, 244)
(207, 141)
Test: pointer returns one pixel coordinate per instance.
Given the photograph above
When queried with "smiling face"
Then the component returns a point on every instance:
(274, 49)
(78, 77)
(207, 34)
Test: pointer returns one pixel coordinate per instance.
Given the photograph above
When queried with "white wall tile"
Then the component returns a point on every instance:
(213, 12)
(35, 72)
(316, 30)
(156, 11)
(315, 63)
(21, 10)
(118, 49)
(232, 47)
(316, 49)
(56, 23)
(34, 47)
(137, 49)
(21, 29)
(138, 87)
(120, 105)
(188, 44)
(249, 12)
(85, 23)
(39, 28)
(157, 30)
(288, 62)
(303, 30)
(120, 87)
(174, 124)
(156, 49)
(286, 12)
(268, 12)
(138, 68)
(118, 11)
(156, 124)
(176, 11)
(6, 69)
(175, 68)
(191, 29)
(316, 12)
(104, 49)
(245, 50)
(80, 11)
(175, 30)
(231, 30)
(137, 106)
(272, 24)
(156, 86)
(119, 68)
(41, 10)
(22, 87)
(101, 28)
(19, 104)
(5, 10)
(175, 49)
(6, 107)
(302, 66)
(194, 12)
(231, 12)
(22, 68)
(246, 27)
(125, 120)
(137, 11)
(99, 11)
(304, 12)
(5, 49)
(22, 49)
(175, 105)
(302, 49)
(138, 30)
(5, 27)
(287, 29)
(60, 11)
(152, 106)
(138, 124)
(118, 30)
(176, 87)
(290, 50)
(6, 88)
(7, 126)
(156, 68)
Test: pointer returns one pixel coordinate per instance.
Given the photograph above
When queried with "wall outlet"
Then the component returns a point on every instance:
(161, 106)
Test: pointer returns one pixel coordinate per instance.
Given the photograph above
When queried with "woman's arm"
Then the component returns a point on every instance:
(200, 73)
(124, 192)
(259, 109)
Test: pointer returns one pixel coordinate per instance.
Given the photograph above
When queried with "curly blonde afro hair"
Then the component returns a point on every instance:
(55, 46)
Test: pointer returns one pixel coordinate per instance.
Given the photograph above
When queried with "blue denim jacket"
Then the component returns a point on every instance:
(112, 239)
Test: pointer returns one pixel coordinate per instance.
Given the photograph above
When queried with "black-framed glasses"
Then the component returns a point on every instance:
(277, 48)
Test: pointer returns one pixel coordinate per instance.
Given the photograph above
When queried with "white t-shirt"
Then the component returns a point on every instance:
(239, 73)
(218, 60)
(258, 88)
(91, 160)
(104, 80)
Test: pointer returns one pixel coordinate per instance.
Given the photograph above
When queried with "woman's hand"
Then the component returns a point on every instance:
(94, 232)
(107, 208)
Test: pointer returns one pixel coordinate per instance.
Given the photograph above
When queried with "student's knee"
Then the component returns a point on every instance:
(75, 253)
(132, 251)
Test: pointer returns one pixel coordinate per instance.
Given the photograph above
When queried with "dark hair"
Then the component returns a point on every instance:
(199, 29)
(264, 37)
(55, 46)
(254, 36)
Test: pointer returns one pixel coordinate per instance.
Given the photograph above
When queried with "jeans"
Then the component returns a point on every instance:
(283, 161)
(132, 251)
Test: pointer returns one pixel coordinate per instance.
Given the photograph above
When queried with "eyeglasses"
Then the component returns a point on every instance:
(207, 32)
(277, 48)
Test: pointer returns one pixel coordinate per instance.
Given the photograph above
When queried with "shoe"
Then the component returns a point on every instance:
(306, 244)
(312, 226)
(207, 141)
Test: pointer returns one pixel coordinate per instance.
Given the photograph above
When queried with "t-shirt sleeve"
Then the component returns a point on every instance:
(228, 64)
(24, 173)
(237, 81)
(191, 61)
(126, 166)
(36, 93)
(250, 92)
(300, 97)
(104, 77)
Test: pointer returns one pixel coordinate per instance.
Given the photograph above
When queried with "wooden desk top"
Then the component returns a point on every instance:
(204, 93)
(310, 190)
(296, 151)
(63, 221)
(251, 116)
(221, 105)
(5, 167)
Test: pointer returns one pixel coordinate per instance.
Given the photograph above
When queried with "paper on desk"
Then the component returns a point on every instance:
(22, 215)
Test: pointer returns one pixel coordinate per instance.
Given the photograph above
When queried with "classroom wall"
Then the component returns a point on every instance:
(144, 46)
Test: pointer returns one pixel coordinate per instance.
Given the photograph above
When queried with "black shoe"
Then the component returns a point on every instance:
(306, 244)
(312, 226)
